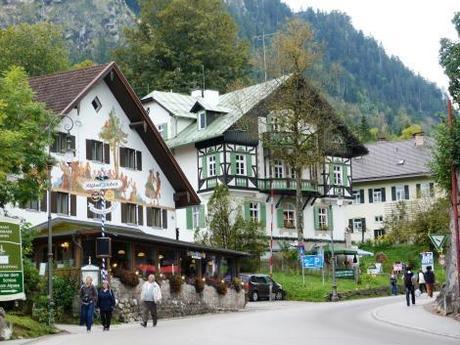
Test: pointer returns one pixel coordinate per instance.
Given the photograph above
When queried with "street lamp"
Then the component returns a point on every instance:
(68, 156)
(334, 294)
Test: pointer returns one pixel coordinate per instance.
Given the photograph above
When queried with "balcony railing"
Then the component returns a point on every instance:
(286, 184)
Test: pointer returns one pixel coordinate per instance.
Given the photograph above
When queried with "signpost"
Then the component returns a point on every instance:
(339, 273)
(11, 270)
(427, 259)
(313, 261)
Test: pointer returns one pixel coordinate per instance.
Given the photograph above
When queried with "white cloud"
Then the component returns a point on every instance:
(408, 29)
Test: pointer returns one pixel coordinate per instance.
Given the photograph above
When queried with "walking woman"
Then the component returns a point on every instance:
(106, 304)
(88, 299)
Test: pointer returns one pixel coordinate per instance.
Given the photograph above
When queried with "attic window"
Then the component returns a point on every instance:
(201, 120)
(96, 103)
(401, 162)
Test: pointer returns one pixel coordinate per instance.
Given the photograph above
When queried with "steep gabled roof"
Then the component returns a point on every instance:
(62, 92)
(393, 159)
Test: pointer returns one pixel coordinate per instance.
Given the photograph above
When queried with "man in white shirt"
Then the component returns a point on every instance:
(150, 296)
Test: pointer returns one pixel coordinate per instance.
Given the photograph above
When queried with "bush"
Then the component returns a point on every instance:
(40, 310)
(199, 285)
(33, 285)
(175, 283)
(127, 278)
(236, 283)
(64, 291)
(221, 288)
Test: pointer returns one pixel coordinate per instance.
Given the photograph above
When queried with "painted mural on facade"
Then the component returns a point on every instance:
(71, 177)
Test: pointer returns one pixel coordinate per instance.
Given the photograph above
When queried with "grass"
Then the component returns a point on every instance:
(25, 327)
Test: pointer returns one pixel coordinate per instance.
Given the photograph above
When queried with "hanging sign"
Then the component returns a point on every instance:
(95, 210)
(11, 269)
(105, 184)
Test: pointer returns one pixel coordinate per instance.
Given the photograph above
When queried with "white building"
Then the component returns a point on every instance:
(110, 134)
(391, 173)
(215, 139)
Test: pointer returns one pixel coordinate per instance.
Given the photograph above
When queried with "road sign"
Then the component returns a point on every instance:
(438, 241)
(341, 273)
(11, 270)
(313, 261)
(104, 184)
(427, 259)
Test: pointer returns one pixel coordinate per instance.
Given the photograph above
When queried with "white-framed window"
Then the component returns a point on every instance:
(289, 216)
(96, 103)
(254, 213)
(400, 195)
(212, 165)
(240, 164)
(425, 190)
(278, 169)
(201, 120)
(378, 220)
(196, 217)
(163, 130)
(292, 173)
(322, 218)
(357, 224)
(338, 175)
(356, 197)
(377, 195)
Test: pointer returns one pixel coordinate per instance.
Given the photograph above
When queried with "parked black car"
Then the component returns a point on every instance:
(258, 286)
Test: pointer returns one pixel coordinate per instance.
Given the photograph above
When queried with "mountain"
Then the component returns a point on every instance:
(360, 79)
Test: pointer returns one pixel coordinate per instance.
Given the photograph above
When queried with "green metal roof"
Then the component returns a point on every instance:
(235, 104)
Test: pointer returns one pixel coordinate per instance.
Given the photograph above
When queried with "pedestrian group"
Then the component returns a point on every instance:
(414, 283)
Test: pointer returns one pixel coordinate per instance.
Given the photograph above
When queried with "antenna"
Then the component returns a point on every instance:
(204, 81)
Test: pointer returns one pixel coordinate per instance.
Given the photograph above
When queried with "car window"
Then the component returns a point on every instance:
(253, 279)
(245, 278)
(261, 280)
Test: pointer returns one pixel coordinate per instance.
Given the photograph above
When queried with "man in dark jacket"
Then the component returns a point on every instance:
(429, 280)
(409, 284)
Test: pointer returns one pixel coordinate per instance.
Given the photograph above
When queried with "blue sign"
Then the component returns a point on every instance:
(313, 261)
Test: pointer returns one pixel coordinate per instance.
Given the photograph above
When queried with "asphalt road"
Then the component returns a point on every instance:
(283, 323)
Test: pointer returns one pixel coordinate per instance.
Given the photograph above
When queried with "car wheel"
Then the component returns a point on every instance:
(255, 296)
(279, 296)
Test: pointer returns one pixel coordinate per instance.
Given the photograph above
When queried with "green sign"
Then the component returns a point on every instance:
(438, 241)
(345, 274)
(11, 271)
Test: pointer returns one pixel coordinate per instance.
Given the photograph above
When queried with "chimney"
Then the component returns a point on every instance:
(419, 139)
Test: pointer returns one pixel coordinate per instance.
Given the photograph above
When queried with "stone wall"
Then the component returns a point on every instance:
(187, 302)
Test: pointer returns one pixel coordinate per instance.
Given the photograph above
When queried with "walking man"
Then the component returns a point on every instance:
(150, 296)
(409, 285)
(429, 281)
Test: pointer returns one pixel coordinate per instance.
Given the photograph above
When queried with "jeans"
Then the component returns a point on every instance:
(150, 307)
(106, 318)
(88, 311)
(394, 289)
(410, 291)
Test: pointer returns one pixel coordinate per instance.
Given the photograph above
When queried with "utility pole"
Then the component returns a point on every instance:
(264, 53)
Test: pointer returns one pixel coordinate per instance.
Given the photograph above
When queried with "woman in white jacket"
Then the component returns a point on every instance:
(150, 296)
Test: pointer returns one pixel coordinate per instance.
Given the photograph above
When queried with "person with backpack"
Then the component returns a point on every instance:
(409, 285)
(88, 300)
(106, 304)
(429, 280)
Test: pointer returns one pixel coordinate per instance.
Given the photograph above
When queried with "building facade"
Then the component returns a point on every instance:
(216, 140)
(110, 136)
(392, 174)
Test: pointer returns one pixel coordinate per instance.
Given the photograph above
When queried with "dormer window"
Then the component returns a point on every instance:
(201, 120)
(96, 103)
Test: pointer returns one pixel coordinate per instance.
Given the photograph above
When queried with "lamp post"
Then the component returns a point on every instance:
(69, 151)
(334, 295)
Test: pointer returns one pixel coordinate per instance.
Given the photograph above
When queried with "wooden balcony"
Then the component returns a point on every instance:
(287, 185)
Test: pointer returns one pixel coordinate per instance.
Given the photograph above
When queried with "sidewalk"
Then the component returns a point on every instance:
(417, 317)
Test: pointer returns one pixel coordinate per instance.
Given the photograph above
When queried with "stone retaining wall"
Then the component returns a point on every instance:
(187, 302)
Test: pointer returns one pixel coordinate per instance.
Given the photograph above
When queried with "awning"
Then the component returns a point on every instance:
(338, 250)
(362, 252)
(68, 226)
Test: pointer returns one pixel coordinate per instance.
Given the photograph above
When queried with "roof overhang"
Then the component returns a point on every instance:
(63, 227)
(390, 177)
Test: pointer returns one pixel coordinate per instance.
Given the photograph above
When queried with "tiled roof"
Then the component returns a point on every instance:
(236, 104)
(393, 159)
(59, 90)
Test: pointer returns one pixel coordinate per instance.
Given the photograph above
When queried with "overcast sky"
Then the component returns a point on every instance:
(409, 29)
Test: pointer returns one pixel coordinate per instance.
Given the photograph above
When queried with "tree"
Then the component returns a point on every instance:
(179, 43)
(301, 127)
(410, 131)
(38, 48)
(24, 137)
(364, 133)
(449, 57)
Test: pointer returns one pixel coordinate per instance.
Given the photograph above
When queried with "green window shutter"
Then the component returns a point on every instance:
(249, 164)
(189, 217)
(345, 175)
(165, 131)
(418, 190)
(246, 211)
(218, 170)
(330, 219)
(202, 217)
(204, 167)
(371, 195)
(263, 214)
(280, 218)
(331, 174)
(232, 163)
(316, 218)
(431, 189)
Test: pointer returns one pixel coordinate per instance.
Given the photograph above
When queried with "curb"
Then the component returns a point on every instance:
(377, 317)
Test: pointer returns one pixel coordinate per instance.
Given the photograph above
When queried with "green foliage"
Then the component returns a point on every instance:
(449, 56)
(364, 132)
(64, 290)
(410, 131)
(236, 284)
(221, 288)
(38, 48)
(25, 327)
(23, 139)
(174, 40)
